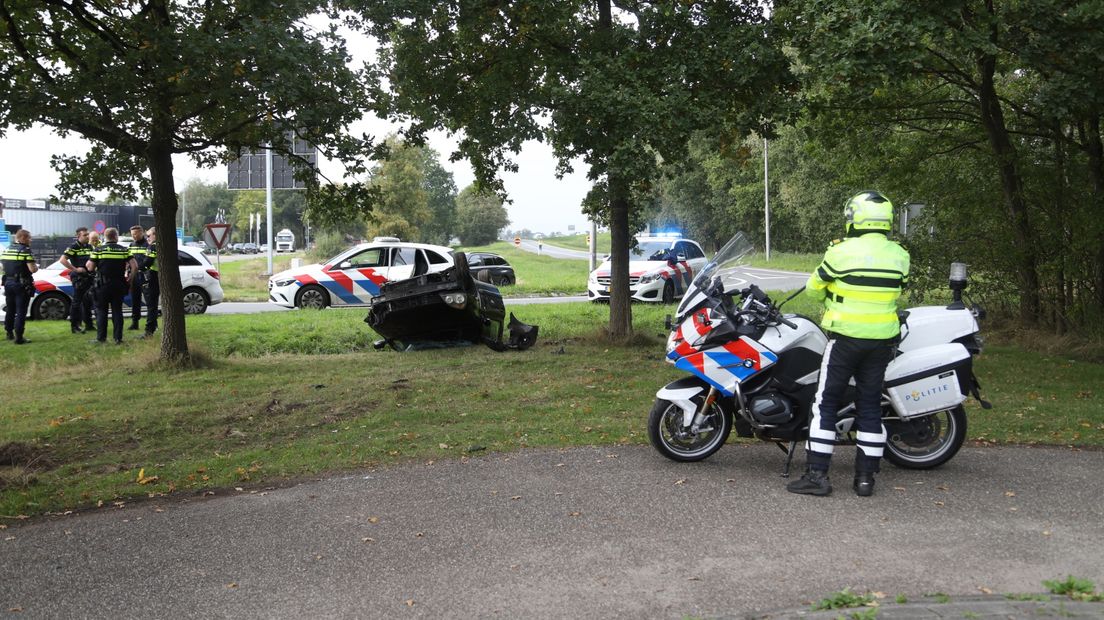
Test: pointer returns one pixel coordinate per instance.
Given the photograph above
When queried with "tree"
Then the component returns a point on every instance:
(1016, 81)
(417, 196)
(479, 216)
(623, 90)
(145, 80)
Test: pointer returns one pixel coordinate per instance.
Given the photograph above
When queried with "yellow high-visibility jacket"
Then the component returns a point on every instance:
(859, 281)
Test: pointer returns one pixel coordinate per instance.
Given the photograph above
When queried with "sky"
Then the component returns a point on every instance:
(541, 202)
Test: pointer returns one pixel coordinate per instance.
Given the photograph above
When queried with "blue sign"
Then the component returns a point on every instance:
(5, 239)
(179, 234)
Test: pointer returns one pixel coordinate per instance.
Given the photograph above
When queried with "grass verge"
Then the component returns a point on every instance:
(245, 280)
(539, 275)
(299, 393)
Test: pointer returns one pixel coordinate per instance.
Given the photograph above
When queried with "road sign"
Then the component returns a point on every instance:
(5, 239)
(248, 171)
(216, 235)
(99, 226)
(179, 234)
(517, 242)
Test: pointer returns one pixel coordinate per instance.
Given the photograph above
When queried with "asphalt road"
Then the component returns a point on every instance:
(590, 532)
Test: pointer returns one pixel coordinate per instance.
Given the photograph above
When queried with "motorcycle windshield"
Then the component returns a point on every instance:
(724, 265)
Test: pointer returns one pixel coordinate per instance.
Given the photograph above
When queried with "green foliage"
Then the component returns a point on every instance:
(901, 599)
(479, 216)
(144, 81)
(327, 245)
(620, 94)
(843, 599)
(1074, 587)
(969, 109)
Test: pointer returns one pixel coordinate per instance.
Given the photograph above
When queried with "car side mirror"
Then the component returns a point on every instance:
(345, 265)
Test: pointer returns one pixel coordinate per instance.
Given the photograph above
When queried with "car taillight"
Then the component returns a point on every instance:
(213, 273)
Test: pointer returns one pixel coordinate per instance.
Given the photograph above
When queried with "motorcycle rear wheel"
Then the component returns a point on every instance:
(927, 441)
(672, 441)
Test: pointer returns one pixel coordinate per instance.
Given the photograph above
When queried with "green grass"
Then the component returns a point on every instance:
(245, 280)
(299, 393)
(785, 261)
(579, 242)
(843, 599)
(539, 275)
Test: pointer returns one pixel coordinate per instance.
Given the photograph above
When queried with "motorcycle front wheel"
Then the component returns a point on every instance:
(927, 441)
(681, 444)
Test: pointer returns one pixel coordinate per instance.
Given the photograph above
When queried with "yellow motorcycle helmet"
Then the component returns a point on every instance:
(869, 211)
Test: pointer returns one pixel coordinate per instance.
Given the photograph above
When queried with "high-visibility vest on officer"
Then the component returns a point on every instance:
(859, 282)
(110, 262)
(152, 285)
(861, 277)
(139, 248)
(75, 259)
(18, 284)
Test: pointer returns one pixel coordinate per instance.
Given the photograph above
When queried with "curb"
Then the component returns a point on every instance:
(986, 607)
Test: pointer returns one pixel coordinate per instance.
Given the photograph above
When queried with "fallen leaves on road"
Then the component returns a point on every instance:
(368, 539)
(373, 519)
(1010, 494)
(409, 602)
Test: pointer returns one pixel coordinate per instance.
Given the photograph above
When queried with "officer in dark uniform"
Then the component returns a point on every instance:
(111, 262)
(75, 259)
(152, 284)
(18, 284)
(138, 249)
(859, 282)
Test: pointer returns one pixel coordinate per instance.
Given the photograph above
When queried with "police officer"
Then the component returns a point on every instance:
(859, 282)
(111, 262)
(74, 259)
(152, 285)
(138, 248)
(18, 284)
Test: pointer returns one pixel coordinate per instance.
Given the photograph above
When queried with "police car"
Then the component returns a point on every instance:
(198, 276)
(354, 276)
(660, 269)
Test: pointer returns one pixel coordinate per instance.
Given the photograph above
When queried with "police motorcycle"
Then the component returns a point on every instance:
(754, 370)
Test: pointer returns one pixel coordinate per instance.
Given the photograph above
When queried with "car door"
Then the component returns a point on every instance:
(357, 278)
(403, 260)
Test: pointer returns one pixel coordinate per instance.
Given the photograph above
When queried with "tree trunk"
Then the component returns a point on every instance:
(620, 323)
(174, 340)
(1096, 173)
(992, 117)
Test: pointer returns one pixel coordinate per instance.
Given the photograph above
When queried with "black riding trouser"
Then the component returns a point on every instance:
(80, 309)
(111, 295)
(136, 297)
(16, 300)
(866, 361)
(153, 294)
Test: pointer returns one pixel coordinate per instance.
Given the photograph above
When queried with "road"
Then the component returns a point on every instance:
(611, 532)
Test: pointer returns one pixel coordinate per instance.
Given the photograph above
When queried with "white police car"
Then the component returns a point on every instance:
(354, 276)
(660, 269)
(198, 277)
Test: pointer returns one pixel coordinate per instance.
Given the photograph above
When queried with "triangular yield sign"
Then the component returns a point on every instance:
(219, 233)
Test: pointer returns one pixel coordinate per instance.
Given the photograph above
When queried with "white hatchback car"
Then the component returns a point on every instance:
(198, 276)
(660, 269)
(353, 277)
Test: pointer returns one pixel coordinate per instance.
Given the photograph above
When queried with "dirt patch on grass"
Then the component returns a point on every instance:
(24, 455)
(19, 464)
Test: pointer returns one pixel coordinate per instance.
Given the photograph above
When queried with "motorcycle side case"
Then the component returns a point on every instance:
(930, 379)
(930, 325)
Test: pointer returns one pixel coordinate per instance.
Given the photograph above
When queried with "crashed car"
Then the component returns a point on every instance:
(445, 308)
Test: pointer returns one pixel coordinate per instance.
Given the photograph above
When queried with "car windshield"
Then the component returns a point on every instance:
(650, 250)
(724, 265)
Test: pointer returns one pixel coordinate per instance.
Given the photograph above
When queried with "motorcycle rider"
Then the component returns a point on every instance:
(859, 282)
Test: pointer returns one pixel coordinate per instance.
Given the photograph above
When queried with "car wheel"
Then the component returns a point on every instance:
(52, 306)
(195, 301)
(312, 297)
(668, 292)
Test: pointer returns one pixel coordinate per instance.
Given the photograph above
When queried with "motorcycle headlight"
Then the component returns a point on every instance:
(455, 300)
